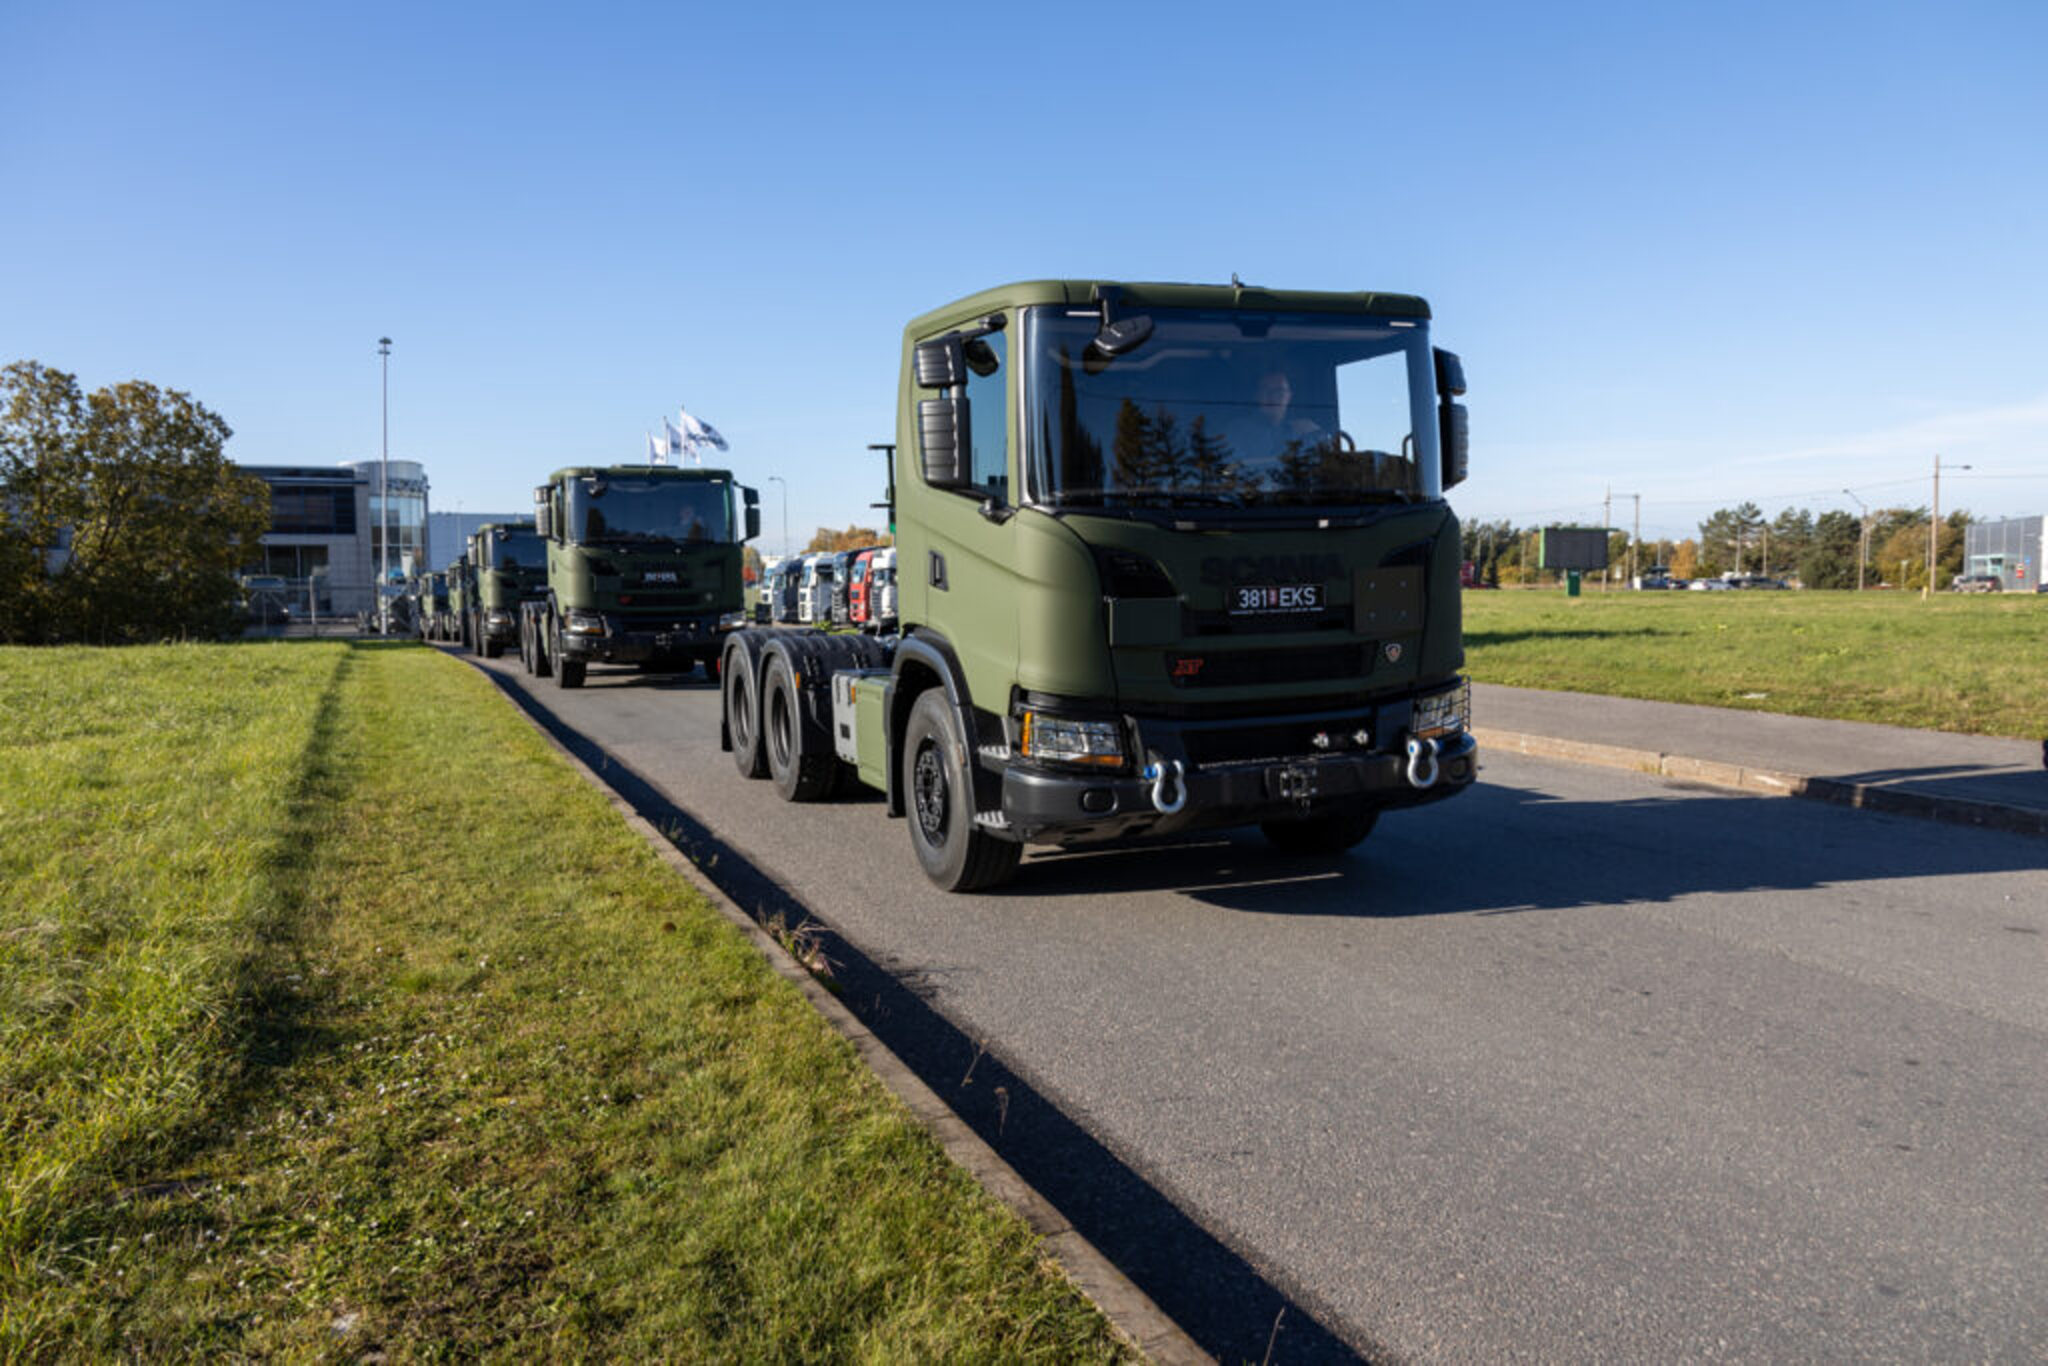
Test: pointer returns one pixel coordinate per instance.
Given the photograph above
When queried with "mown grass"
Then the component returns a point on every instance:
(343, 1020)
(1962, 662)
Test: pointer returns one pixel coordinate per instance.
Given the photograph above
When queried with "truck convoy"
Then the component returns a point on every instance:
(643, 567)
(432, 619)
(1172, 557)
(509, 567)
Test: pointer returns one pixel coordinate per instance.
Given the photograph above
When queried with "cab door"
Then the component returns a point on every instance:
(964, 566)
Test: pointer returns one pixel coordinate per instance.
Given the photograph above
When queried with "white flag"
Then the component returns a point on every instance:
(675, 439)
(655, 454)
(698, 433)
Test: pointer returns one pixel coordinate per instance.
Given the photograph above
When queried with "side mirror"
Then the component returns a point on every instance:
(940, 422)
(753, 520)
(1456, 433)
(1450, 374)
(752, 497)
(941, 362)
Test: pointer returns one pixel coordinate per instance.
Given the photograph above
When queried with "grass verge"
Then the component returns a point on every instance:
(1972, 663)
(359, 1025)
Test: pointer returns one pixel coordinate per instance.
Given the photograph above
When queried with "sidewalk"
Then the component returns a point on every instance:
(1967, 779)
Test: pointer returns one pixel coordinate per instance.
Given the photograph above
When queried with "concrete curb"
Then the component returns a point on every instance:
(1774, 783)
(1129, 1310)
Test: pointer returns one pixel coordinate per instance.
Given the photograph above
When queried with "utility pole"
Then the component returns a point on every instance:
(1606, 525)
(384, 499)
(1934, 526)
(1862, 539)
(778, 479)
(1635, 539)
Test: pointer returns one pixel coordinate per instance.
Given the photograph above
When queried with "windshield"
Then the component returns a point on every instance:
(615, 508)
(518, 550)
(1227, 408)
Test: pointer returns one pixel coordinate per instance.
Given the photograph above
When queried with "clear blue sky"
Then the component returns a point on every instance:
(1704, 253)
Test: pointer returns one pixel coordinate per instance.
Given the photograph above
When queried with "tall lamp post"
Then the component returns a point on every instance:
(384, 499)
(1862, 540)
(1934, 526)
(778, 479)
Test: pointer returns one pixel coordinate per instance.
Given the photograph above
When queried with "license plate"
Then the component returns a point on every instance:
(1275, 599)
(662, 640)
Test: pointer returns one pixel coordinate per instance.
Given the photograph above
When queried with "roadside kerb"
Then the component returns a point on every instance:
(1129, 1310)
(1772, 782)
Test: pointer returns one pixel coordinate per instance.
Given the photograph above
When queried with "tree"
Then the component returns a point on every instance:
(853, 538)
(1728, 536)
(1829, 560)
(132, 518)
(1685, 559)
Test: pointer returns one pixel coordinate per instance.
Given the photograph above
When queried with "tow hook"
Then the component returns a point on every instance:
(1421, 763)
(1162, 778)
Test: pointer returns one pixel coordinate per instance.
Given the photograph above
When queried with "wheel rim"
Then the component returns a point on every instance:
(778, 727)
(742, 719)
(929, 792)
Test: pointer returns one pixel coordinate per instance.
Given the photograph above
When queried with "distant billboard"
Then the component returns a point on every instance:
(1572, 547)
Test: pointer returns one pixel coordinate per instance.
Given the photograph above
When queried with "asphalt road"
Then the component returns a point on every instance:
(1581, 1065)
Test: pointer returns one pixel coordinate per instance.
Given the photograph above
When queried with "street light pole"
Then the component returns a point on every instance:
(1862, 539)
(1934, 526)
(778, 479)
(384, 498)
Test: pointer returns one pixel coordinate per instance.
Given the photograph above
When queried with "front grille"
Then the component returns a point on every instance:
(1240, 668)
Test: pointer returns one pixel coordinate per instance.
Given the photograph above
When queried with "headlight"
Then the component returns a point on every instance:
(583, 623)
(1444, 712)
(498, 618)
(732, 621)
(1063, 740)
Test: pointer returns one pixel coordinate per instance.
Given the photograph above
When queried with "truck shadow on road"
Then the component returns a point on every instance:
(1214, 1294)
(1500, 849)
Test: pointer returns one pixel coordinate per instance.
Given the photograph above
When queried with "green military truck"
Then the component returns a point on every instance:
(461, 593)
(508, 565)
(643, 567)
(431, 619)
(1168, 557)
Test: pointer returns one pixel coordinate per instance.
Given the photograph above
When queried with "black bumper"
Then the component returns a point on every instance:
(629, 640)
(1045, 805)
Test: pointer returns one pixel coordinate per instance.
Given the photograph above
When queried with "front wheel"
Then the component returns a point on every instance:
(1331, 830)
(568, 672)
(955, 853)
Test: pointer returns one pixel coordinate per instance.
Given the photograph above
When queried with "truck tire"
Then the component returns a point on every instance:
(568, 672)
(493, 648)
(543, 666)
(742, 695)
(1331, 830)
(938, 791)
(798, 776)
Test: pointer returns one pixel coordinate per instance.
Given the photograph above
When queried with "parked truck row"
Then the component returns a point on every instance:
(1166, 558)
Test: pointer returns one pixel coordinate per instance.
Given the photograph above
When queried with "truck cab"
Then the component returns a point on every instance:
(814, 597)
(1170, 557)
(508, 565)
(644, 566)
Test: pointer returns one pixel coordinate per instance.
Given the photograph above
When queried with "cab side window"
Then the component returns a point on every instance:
(988, 403)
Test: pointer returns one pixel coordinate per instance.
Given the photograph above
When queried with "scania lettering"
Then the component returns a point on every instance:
(1172, 557)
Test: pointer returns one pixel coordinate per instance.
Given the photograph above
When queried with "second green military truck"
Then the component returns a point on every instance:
(643, 567)
(1168, 557)
(508, 567)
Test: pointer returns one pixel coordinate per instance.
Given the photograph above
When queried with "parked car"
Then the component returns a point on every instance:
(1711, 586)
(1976, 583)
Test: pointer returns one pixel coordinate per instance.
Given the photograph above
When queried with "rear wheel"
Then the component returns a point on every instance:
(1330, 830)
(743, 720)
(798, 776)
(955, 853)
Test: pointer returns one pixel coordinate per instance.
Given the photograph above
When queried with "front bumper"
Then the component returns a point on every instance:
(1239, 772)
(636, 640)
